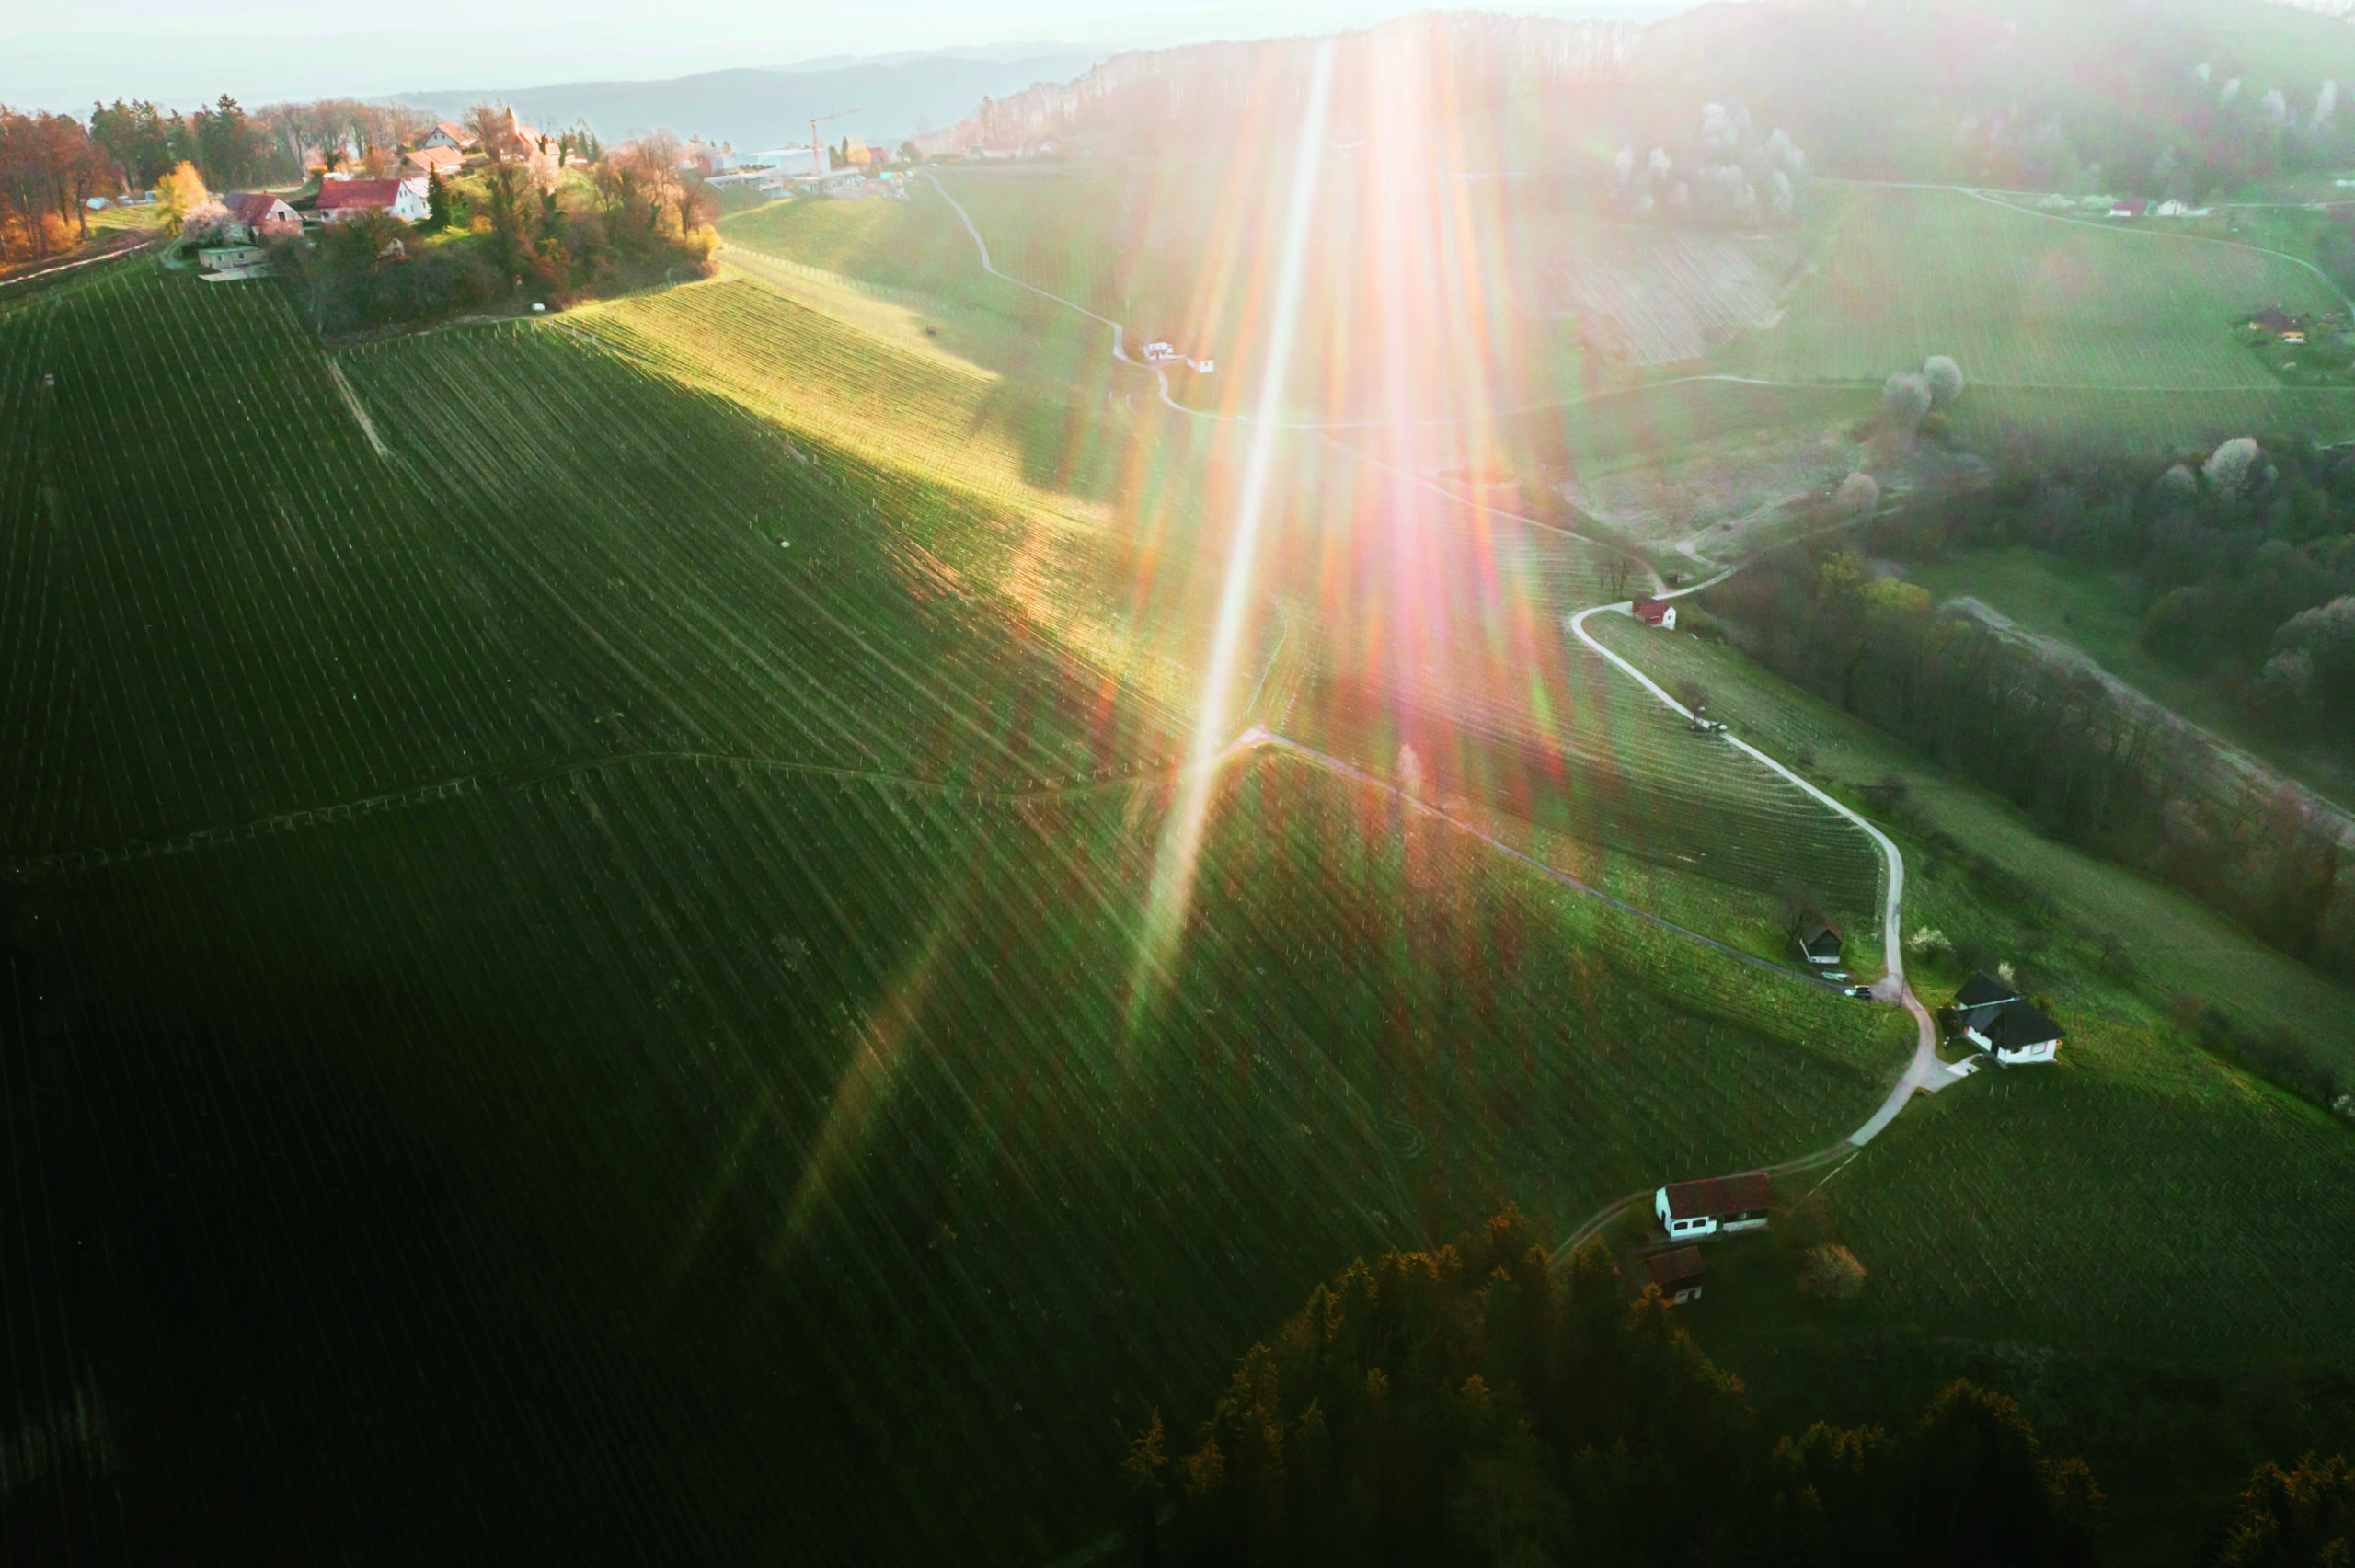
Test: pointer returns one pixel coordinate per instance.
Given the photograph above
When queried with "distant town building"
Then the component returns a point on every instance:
(341, 201)
(1677, 1273)
(1718, 1206)
(456, 138)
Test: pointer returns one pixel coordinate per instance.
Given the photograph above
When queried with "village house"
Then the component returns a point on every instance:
(1655, 612)
(340, 201)
(1993, 1016)
(258, 214)
(1677, 1274)
(1818, 939)
(1716, 1206)
(424, 162)
(455, 138)
(2129, 207)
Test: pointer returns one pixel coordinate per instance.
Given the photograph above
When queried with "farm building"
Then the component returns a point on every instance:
(2172, 209)
(341, 201)
(1677, 1274)
(1818, 939)
(456, 138)
(1655, 612)
(2279, 322)
(2130, 207)
(1993, 1017)
(225, 258)
(1714, 1206)
(260, 214)
(1158, 350)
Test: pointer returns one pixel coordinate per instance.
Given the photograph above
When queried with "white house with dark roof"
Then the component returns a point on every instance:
(1714, 1206)
(1993, 1017)
(340, 201)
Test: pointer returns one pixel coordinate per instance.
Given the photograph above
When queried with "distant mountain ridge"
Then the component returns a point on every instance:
(891, 98)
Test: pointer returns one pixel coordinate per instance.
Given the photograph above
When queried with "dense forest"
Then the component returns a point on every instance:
(1482, 1404)
(1477, 1405)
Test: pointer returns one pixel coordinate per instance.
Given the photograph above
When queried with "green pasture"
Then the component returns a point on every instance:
(2025, 300)
(2033, 422)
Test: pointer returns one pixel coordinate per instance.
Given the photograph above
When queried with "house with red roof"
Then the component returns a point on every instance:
(1654, 612)
(455, 138)
(340, 201)
(426, 162)
(1677, 1274)
(1715, 1205)
(260, 214)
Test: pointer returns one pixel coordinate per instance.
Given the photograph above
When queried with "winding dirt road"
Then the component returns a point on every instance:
(1923, 1073)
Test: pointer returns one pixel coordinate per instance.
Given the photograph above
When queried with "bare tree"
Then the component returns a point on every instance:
(488, 124)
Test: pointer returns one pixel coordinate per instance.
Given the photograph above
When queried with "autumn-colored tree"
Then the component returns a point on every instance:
(2300, 1518)
(179, 193)
(1480, 1405)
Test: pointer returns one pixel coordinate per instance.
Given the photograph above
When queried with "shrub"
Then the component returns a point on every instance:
(1905, 399)
(1858, 496)
(1944, 378)
(2227, 468)
(1831, 1272)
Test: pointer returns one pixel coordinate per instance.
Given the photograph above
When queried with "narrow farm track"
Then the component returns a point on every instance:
(1923, 1074)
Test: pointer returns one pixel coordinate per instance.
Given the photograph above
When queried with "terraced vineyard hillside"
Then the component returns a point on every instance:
(654, 1018)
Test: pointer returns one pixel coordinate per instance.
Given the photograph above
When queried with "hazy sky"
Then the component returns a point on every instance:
(61, 54)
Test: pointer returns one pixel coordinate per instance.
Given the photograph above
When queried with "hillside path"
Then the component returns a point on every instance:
(1923, 1073)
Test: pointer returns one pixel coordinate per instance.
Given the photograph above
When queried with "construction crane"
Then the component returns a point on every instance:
(817, 152)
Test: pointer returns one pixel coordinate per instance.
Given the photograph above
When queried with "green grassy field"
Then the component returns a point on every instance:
(2023, 300)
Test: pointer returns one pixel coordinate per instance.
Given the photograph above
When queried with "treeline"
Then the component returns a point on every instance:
(1166, 101)
(49, 168)
(2244, 559)
(50, 164)
(2113, 774)
(533, 234)
(1475, 1405)
(2108, 99)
